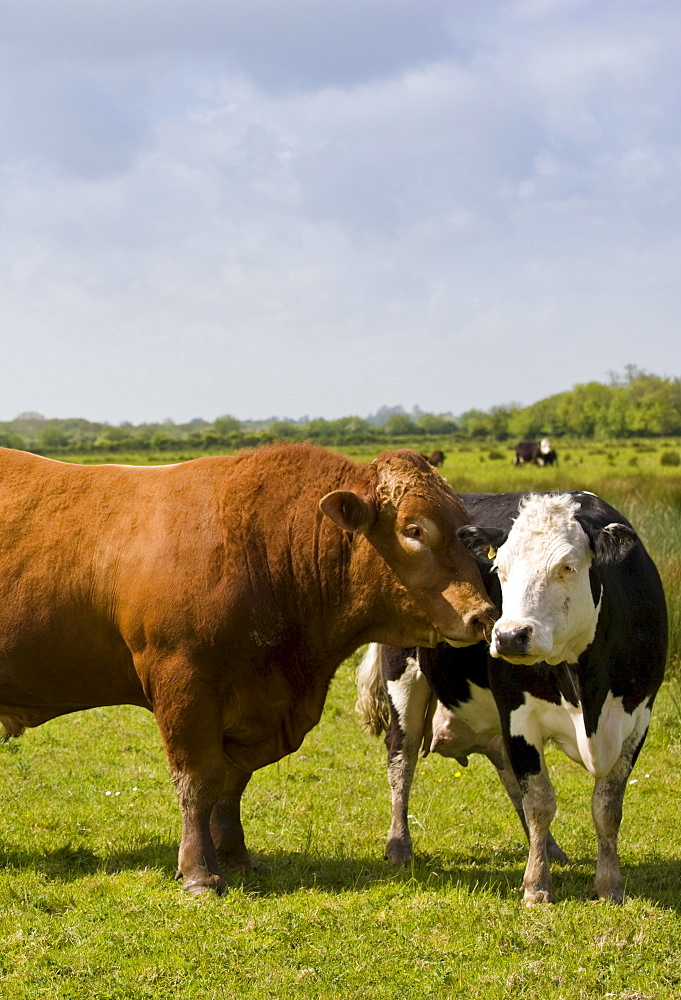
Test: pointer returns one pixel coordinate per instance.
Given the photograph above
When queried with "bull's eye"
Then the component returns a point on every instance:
(567, 568)
(413, 531)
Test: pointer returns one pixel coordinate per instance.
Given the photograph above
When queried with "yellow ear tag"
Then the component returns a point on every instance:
(491, 553)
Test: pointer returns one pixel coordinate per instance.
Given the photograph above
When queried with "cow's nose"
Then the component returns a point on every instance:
(513, 639)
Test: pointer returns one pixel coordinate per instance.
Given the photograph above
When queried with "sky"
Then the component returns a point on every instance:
(301, 208)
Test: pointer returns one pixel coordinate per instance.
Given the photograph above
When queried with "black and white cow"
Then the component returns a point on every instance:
(535, 453)
(547, 455)
(576, 657)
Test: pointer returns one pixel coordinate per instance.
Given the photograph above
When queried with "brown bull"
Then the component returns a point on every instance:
(217, 594)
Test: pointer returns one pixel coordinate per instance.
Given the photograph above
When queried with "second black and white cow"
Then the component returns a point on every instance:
(535, 453)
(576, 657)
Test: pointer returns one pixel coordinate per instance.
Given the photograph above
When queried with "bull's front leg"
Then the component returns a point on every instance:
(197, 863)
(188, 713)
(409, 700)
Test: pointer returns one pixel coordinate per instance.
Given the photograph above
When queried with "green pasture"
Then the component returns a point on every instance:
(89, 831)
(89, 908)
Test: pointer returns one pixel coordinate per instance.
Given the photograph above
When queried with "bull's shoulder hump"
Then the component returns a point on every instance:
(26, 463)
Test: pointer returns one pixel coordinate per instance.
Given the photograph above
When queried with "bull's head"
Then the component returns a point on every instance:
(411, 517)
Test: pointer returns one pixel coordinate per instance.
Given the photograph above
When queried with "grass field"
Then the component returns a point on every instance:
(89, 832)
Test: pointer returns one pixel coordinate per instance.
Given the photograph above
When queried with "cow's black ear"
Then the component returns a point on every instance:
(481, 541)
(348, 510)
(612, 543)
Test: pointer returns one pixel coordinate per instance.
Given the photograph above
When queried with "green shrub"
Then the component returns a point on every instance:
(670, 458)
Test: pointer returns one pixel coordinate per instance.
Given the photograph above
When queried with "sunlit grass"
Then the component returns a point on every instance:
(90, 826)
(89, 908)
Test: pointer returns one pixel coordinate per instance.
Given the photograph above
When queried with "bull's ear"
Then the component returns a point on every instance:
(612, 543)
(348, 510)
(481, 541)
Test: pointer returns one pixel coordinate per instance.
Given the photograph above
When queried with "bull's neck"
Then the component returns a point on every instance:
(338, 591)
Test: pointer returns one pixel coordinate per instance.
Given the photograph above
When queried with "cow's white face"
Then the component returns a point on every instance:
(548, 610)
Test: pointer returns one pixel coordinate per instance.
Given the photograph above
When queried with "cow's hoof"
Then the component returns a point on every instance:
(204, 884)
(398, 853)
(535, 897)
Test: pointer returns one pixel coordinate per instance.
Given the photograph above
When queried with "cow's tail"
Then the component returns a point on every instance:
(372, 701)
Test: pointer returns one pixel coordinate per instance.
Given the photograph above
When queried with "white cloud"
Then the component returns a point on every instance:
(277, 42)
(484, 211)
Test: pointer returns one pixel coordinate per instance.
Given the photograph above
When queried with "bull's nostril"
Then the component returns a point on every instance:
(520, 634)
(483, 623)
(478, 624)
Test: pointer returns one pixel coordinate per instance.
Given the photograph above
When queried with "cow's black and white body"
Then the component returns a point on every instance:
(535, 453)
(576, 657)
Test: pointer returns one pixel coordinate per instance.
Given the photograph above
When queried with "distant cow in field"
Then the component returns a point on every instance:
(546, 456)
(221, 594)
(576, 657)
(535, 453)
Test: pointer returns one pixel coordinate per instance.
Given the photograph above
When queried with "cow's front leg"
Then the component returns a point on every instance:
(409, 699)
(539, 806)
(225, 822)
(526, 756)
(508, 779)
(606, 810)
(189, 718)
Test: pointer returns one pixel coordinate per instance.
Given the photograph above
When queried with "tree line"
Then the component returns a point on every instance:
(635, 404)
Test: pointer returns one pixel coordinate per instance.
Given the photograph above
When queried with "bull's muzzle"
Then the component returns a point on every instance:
(484, 622)
(477, 625)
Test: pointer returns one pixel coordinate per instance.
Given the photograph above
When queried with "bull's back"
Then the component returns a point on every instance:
(107, 570)
(86, 556)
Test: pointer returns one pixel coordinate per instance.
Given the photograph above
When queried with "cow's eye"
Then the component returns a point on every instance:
(413, 531)
(568, 568)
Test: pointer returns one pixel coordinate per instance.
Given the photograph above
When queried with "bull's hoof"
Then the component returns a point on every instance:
(398, 853)
(204, 884)
(535, 897)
